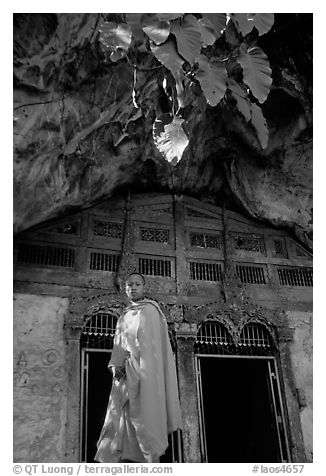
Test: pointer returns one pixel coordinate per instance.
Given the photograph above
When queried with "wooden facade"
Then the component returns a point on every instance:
(204, 265)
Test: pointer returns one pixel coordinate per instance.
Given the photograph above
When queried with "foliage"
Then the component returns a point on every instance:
(202, 49)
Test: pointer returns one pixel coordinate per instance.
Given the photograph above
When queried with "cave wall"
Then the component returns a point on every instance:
(40, 378)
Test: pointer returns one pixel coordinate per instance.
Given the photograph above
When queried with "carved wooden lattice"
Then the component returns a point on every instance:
(154, 235)
(104, 261)
(250, 274)
(107, 229)
(249, 244)
(46, 255)
(155, 267)
(279, 248)
(295, 276)
(205, 271)
(206, 240)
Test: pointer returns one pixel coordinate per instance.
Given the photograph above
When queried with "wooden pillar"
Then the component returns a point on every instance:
(295, 436)
(186, 335)
(72, 450)
(182, 274)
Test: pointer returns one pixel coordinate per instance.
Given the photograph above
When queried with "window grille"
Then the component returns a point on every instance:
(205, 271)
(214, 338)
(98, 332)
(295, 276)
(104, 262)
(155, 267)
(250, 274)
(255, 335)
(45, 255)
(154, 235)
(280, 248)
(205, 240)
(108, 229)
(249, 244)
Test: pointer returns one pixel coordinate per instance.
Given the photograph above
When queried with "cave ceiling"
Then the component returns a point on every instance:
(79, 139)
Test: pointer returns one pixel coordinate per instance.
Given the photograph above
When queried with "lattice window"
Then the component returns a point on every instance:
(255, 335)
(250, 274)
(249, 244)
(205, 271)
(98, 332)
(108, 229)
(155, 267)
(214, 338)
(206, 240)
(279, 248)
(104, 262)
(46, 255)
(154, 235)
(295, 276)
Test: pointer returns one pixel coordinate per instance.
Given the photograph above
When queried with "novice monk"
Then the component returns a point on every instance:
(143, 405)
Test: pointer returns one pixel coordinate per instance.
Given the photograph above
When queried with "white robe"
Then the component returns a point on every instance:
(143, 406)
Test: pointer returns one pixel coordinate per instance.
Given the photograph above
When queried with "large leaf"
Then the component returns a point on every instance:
(167, 55)
(259, 123)
(115, 35)
(187, 33)
(212, 77)
(251, 112)
(257, 73)
(218, 21)
(263, 22)
(244, 22)
(242, 101)
(207, 32)
(157, 30)
(169, 137)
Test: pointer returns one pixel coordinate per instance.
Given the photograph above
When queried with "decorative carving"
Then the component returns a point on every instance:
(248, 243)
(107, 229)
(154, 235)
(186, 330)
(280, 248)
(50, 357)
(206, 240)
(128, 262)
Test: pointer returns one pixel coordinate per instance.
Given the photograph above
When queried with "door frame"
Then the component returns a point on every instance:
(279, 417)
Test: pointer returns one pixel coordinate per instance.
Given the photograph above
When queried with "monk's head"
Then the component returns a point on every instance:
(135, 286)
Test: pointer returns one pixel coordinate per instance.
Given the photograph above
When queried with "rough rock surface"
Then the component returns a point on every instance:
(78, 138)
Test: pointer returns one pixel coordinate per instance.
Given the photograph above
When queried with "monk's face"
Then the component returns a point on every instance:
(135, 287)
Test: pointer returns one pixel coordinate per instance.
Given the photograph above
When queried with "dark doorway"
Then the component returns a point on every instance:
(238, 410)
(96, 385)
(97, 380)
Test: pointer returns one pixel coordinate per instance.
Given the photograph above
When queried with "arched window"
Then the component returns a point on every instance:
(98, 331)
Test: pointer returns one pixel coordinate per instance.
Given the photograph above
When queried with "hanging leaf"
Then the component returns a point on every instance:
(218, 21)
(188, 37)
(242, 101)
(207, 32)
(169, 16)
(251, 112)
(257, 73)
(259, 123)
(212, 77)
(167, 55)
(169, 137)
(263, 22)
(115, 38)
(157, 30)
(244, 22)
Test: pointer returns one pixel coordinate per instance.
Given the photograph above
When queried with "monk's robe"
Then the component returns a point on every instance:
(143, 406)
